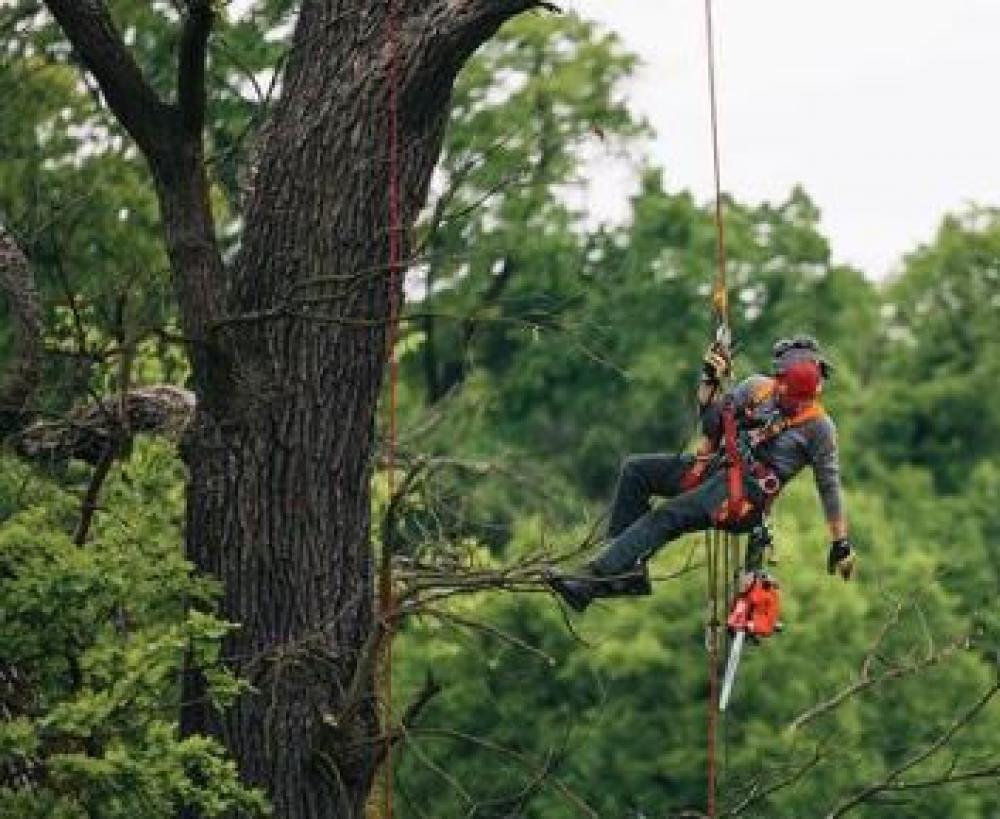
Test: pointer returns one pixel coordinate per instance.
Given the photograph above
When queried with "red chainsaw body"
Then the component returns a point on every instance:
(757, 608)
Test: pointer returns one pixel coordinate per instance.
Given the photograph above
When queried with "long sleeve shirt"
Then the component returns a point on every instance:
(812, 443)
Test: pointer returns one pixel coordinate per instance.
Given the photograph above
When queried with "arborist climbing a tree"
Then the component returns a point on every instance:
(758, 436)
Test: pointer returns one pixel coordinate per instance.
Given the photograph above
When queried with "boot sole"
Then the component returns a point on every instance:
(577, 602)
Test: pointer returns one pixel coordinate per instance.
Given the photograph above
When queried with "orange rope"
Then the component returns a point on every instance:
(720, 306)
(720, 300)
(388, 601)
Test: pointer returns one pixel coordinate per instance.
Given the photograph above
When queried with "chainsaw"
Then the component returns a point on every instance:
(755, 613)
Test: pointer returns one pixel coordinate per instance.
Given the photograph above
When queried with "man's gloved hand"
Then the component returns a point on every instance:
(841, 558)
(717, 363)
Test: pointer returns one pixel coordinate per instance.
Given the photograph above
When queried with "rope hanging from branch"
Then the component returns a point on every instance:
(386, 591)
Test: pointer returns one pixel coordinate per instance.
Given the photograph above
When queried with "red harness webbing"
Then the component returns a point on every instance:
(734, 461)
(737, 506)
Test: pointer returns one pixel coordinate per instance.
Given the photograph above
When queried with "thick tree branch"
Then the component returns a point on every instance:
(23, 373)
(90, 432)
(191, 92)
(92, 495)
(170, 138)
(473, 22)
(89, 27)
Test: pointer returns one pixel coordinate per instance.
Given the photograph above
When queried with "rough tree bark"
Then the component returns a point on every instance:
(22, 373)
(18, 382)
(288, 346)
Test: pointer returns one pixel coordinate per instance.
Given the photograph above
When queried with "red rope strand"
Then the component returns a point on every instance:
(394, 295)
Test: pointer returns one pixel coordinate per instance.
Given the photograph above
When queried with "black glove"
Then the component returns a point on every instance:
(841, 558)
(716, 363)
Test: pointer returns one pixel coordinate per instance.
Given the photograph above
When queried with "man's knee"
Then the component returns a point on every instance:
(685, 514)
(631, 468)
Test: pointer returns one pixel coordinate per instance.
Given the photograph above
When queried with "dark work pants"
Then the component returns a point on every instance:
(637, 530)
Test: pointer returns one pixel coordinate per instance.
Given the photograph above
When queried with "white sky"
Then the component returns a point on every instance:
(886, 111)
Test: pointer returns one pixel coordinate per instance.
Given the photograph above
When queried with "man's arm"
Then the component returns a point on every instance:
(825, 457)
(838, 528)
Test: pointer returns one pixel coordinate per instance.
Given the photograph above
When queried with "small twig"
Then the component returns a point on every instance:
(518, 758)
(486, 628)
(889, 782)
(758, 794)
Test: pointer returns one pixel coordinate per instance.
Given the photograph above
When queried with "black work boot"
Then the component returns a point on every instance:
(634, 583)
(577, 589)
(581, 588)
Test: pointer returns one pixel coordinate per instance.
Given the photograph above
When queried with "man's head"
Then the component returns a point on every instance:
(799, 370)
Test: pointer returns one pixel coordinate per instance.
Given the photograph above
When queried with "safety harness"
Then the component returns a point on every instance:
(740, 444)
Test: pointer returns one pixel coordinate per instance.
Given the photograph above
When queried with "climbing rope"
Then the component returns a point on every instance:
(386, 592)
(712, 564)
(719, 546)
(720, 298)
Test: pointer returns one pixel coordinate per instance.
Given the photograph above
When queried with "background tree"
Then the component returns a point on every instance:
(939, 350)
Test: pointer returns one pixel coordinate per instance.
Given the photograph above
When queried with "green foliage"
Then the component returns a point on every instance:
(99, 636)
(940, 353)
(619, 721)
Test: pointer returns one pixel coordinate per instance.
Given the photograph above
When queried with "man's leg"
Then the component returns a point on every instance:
(641, 477)
(619, 568)
(688, 512)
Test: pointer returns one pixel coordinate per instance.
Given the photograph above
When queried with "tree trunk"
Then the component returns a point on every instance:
(288, 348)
(279, 504)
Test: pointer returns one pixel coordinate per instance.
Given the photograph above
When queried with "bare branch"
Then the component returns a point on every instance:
(493, 631)
(891, 781)
(866, 679)
(866, 682)
(475, 21)
(519, 759)
(89, 27)
(89, 505)
(759, 791)
(17, 283)
(951, 778)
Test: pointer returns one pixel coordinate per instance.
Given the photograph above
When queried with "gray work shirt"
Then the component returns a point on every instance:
(813, 443)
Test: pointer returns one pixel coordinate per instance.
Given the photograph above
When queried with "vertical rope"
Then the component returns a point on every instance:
(726, 641)
(720, 306)
(387, 593)
(720, 296)
(732, 589)
(712, 562)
